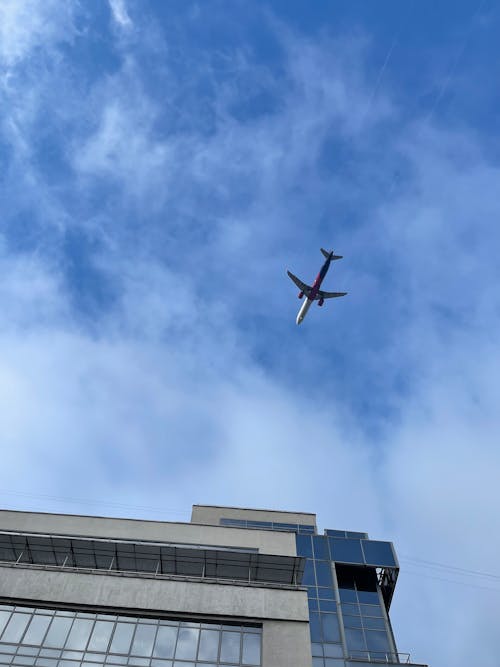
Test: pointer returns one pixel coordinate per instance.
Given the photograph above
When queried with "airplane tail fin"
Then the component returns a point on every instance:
(326, 254)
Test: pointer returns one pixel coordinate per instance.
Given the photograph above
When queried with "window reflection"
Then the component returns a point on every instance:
(65, 638)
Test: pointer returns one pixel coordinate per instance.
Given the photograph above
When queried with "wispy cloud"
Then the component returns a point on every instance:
(120, 13)
(147, 337)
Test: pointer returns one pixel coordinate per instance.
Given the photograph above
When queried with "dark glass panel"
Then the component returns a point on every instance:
(317, 649)
(370, 610)
(355, 535)
(328, 605)
(355, 639)
(304, 545)
(323, 573)
(373, 623)
(334, 651)
(330, 626)
(348, 608)
(345, 576)
(285, 526)
(314, 627)
(308, 578)
(83, 554)
(368, 597)
(376, 641)
(306, 528)
(346, 551)
(335, 533)
(326, 593)
(313, 604)
(379, 553)
(320, 547)
(348, 595)
(352, 621)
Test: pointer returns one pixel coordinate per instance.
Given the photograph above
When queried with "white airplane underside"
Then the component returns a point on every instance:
(320, 294)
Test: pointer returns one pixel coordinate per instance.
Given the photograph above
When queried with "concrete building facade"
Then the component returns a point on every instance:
(235, 587)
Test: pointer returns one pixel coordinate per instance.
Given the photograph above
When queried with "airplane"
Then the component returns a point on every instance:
(313, 292)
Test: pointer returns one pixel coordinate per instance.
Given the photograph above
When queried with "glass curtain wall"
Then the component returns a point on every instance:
(56, 638)
(347, 617)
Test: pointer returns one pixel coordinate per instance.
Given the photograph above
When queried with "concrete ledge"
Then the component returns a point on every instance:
(162, 596)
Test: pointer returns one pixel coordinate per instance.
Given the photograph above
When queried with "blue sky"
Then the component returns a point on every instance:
(162, 164)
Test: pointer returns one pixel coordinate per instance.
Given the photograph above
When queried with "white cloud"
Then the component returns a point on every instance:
(120, 13)
(26, 25)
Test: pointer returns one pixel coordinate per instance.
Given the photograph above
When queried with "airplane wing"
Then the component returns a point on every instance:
(302, 286)
(329, 295)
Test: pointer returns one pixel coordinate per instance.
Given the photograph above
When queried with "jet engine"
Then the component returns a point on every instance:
(321, 302)
(301, 294)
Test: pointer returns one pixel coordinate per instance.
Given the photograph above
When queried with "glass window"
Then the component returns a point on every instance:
(187, 643)
(313, 604)
(348, 595)
(354, 639)
(320, 547)
(370, 610)
(346, 551)
(330, 626)
(165, 641)
(58, 631)
(368, 597)
(308, 578)
(350, 608)
(36, 630)
(251, 649)
(4, 617)
(15, 627)
(379, 553)
(352, 621)
(318, 662)
(323, 573)
(326, 593)
(304, 545)
(122, 637)
(230, 647)
(376, 641)
(79, 635)
(144, 639)
(334, 650)
(315, 627)
(327, 605)
(100, 636)
(209, 645)
(317, 649)
(373, 623)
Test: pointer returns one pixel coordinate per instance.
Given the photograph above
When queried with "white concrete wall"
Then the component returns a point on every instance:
(267, 542)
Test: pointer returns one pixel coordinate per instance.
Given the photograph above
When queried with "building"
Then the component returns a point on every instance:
(234, 587)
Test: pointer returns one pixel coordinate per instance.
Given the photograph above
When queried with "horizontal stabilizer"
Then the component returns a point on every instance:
(327, 254)
(302, 286)
(329, 295)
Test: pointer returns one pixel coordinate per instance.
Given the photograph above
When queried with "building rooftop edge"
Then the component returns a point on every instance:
(256, 509)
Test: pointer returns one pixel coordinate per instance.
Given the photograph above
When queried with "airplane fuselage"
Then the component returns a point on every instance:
(314, 290)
